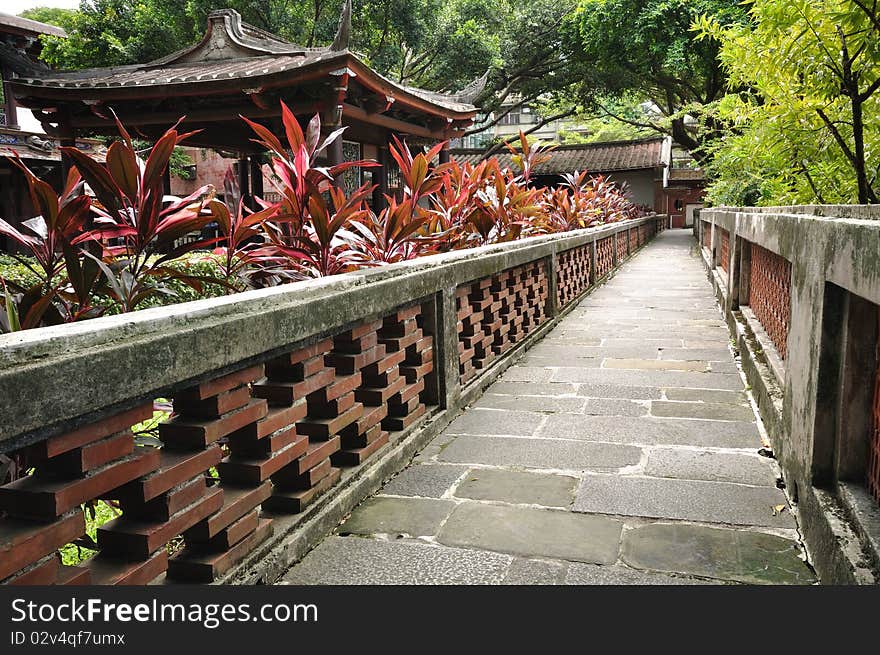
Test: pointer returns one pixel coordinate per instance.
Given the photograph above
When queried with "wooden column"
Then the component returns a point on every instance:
(380, 177)
(9, 103)
(256, 177)
(444, 154)
(243, 184)
(67, 137)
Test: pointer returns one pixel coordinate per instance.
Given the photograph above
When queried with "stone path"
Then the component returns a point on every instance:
(621, 449)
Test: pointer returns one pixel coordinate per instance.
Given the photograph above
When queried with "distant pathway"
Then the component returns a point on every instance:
(621, 449)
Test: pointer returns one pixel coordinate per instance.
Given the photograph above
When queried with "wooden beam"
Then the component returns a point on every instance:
(203, 116)
(357, 113)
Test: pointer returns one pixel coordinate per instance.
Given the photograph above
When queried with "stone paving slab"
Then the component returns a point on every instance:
(687, 500)
(652, 431)
(724, 554)
(533, 532)
(425, 480)
(614, 407)
(417, 517)
(712, 411)
(591, 574)
(535, 572)
(707, 396)
(554, 454)
(726, 381)
(359, 561)
(707, 465)
(535, 389)
(618, 391)
(518, 487)
(490, 421)
(544, 404)
(656, 365)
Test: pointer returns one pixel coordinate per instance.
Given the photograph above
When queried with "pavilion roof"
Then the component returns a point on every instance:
(232, 50)
(604, 157)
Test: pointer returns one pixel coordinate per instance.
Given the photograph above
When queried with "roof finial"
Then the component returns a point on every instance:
(343, 33)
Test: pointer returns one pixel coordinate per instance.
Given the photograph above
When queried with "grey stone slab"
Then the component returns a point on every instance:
(544, 404)
(687, 500)
(723, 554)
(719, 354)
(527, 374)
(425, 480)
(535, 572)
(477, 420)
(656, 365)
(562, 360)
(723, 367)
(618, 391)
(706, 465)
(713, 411)
(651, 431)
(419, 517)
(534, 389)
(648, 378)
(594, 574)
(359, 561)
(518, 487)
(614, 407)
(707, 396)
(658, 342)
(533, 532)
(540, 453)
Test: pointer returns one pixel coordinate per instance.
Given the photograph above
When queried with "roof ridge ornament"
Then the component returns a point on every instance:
(343, 32)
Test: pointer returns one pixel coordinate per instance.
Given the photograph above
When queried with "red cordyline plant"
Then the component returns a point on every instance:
(302, 234)
(139, 226)
(66, 282)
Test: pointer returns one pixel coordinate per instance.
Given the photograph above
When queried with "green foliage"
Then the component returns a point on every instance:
(807, 129)
(97, 514)
(63, 18)
(646, 49)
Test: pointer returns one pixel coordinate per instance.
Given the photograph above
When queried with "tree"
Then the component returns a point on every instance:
(806, 129)
(57, 16)
(647, 48)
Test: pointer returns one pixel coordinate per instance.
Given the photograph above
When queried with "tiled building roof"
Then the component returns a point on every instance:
(593, 157)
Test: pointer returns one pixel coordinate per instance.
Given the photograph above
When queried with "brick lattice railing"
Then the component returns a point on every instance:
(622, 245)
(605, 257)
(725, 250)
(277, 396)
(497, 312)
(770, 295)
(573, 274)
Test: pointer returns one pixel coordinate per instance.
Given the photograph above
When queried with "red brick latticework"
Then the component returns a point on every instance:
(622, 245)
(874, 445)
(604, 257)
(277, 435)
(725, 250)
(572, 274)
(633, 240)
(770, 294)
(706, 234)
(496, 313)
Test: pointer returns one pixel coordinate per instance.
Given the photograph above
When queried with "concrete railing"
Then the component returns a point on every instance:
(290, 405)
(800, 287)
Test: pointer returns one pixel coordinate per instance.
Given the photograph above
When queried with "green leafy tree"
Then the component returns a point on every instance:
(57, 16)
(646, 48)
(807, 127)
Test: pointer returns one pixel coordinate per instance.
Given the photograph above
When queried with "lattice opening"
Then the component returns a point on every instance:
(770, 294)
(572, 274)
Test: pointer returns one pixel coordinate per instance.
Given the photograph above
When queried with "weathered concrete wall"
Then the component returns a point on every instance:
(814, 398)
